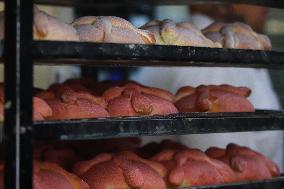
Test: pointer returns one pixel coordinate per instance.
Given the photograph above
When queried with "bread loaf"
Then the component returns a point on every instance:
(213, 98)
(133, 100)
(110, 29)
(40, 112)
(247, 164)
(123, 170)
(41, 109)
(193, 167)
(51, 176)
(237, 36)
(73, 103)
(167, 32)
(47, 27)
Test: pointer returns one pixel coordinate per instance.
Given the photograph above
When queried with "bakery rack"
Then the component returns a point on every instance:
(20, 53)
(152, 55)
(177, 124)
(90, 3)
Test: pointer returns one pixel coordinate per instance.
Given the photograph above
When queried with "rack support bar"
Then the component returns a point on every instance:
(18, 94)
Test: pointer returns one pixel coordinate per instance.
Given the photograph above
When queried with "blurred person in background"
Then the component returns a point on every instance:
(263, 96)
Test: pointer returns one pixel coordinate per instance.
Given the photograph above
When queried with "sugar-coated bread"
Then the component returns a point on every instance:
(41, 109)
(213, 98)
(167, 32)
(122, 170)
(134, 99)
(247, 164)
(172, 166)
(47, 27)
(51, 176)
(150, 90)
(69, 102)
(110, 29)
(237, 36)
(193, 167)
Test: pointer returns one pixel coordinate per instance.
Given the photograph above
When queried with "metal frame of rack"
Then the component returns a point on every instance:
(20, 52)
(91, 3)
(18, 94)
(176, 124)
(152, 55)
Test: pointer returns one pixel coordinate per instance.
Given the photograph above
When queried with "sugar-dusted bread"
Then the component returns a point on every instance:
(247, 164)
(73, 102)
(192, 167)
(40, 112)
(41, 109)
(123, 170)
(47, 27)
(237, 36)
(213, 98)
(110, 29)
(167, 32)
(134, 100)
(51, 176)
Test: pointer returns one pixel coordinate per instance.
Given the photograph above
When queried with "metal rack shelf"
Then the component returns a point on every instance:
(176, 124)
(92, 3)
(102, 54)
(275, 183)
